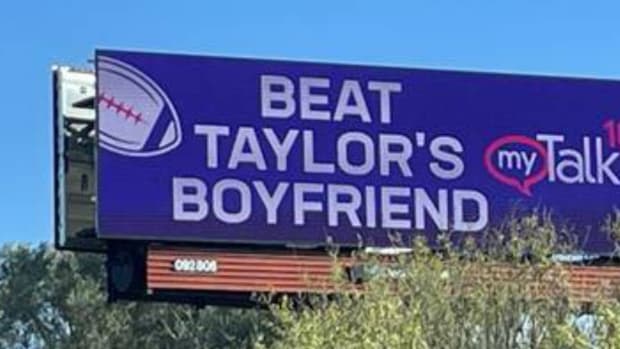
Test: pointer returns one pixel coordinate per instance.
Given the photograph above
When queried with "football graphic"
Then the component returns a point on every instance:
(135, 117)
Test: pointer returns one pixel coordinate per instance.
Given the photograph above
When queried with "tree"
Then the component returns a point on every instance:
(506, 293)
(458, 298)
(51, 299)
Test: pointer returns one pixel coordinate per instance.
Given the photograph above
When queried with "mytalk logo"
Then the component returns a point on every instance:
(517, 161)
(522, 162)
(135, 116)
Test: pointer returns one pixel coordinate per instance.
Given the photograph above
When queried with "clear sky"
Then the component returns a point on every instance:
(552, 37)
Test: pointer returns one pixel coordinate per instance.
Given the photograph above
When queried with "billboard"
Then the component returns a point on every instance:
(74, 166)
(213, 149)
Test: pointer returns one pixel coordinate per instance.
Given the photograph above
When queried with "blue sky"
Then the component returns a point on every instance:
(551, 37)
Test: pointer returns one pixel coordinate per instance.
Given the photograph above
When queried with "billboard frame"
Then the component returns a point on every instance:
(60, 165)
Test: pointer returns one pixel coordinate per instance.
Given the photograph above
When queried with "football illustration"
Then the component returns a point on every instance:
(135, 117)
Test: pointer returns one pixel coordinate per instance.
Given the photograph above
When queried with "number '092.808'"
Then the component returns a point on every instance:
(195, 265)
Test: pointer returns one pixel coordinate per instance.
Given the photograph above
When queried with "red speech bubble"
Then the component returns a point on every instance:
(524, 185)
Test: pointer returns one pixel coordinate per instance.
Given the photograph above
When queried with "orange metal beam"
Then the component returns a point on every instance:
(293, 272)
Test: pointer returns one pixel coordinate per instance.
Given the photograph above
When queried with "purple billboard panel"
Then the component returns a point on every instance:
(258, 151)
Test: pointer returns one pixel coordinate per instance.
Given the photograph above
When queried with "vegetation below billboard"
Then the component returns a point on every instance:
(52, 299)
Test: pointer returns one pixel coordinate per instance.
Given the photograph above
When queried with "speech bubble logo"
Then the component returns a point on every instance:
(522, 185)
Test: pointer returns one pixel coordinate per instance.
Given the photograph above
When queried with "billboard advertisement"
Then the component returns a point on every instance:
(194, 148)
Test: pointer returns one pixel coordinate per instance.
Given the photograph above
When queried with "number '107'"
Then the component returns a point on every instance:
(612, 128)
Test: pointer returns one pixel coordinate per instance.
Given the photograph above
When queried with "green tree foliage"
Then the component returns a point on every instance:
(50, 299)
(455, 298)
(469, 299)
